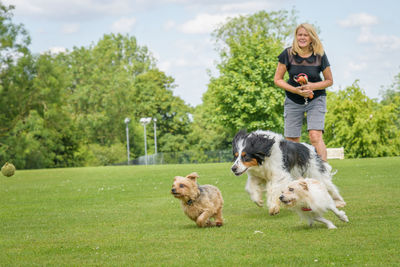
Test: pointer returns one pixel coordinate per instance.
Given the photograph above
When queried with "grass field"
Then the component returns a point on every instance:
(125, 216)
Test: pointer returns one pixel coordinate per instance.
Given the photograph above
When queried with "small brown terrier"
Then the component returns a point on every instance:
(199, 202)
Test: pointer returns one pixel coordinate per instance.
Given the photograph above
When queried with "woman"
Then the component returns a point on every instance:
(306, 56)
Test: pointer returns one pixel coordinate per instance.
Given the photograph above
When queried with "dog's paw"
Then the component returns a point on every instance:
(218, 224)
(259, 203)
(274, 210)
(340, 203)
(344, 218)
(332, 227)
(204, 223)
(210, 223)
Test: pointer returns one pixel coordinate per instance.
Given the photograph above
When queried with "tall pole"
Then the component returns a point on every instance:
(127, 142)
(127, 120)
(155, 136)
(145, 144)
(144, 122)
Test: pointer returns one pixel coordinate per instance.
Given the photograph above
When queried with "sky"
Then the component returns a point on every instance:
(360, 38)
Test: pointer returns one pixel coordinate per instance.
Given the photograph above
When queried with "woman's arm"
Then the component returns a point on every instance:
(281, 83)
(328, 81)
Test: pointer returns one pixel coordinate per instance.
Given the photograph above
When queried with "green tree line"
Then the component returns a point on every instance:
(68, 109)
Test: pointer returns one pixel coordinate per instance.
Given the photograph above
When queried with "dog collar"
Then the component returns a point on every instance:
(190, 201)
(306, 209)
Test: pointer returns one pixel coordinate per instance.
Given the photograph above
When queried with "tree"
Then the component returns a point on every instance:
(101, 79)
(15, 62)
(244, 94)
(393, 90)
(206, 136)
(34, 128)
(362, 126)
(43, 134)
(153, 97)
(14, 39)
(391, 96)
(69, 109)
(117, 78)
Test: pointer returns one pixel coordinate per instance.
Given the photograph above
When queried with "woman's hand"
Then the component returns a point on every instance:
(307, 86)
(306, 90)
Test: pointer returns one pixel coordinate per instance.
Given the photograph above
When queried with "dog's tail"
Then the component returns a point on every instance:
(329, 169)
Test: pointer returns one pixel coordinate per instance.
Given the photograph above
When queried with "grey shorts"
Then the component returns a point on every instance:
(294, 115)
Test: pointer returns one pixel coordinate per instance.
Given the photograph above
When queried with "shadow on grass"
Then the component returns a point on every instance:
(319, 226)
(263, 212)
(189, 226)
(194, 226)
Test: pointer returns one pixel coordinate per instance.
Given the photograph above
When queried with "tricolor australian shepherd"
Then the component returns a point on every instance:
(272, 162)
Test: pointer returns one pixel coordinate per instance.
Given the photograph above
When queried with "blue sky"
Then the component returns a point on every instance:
(361, 38)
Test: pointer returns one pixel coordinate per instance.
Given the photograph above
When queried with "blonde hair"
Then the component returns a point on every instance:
(316, 45)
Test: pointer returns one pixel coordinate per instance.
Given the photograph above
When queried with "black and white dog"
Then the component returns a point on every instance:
(272, 162)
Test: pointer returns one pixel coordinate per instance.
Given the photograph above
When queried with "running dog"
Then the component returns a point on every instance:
(272, 162)
(199, 202)
(310, 199)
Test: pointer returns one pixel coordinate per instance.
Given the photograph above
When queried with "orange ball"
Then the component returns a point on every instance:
(302, 80)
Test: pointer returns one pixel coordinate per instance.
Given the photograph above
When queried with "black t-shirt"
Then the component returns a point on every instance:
(313, 66)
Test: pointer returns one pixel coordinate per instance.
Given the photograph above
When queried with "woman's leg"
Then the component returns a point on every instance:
(319, 144)
(316, 111)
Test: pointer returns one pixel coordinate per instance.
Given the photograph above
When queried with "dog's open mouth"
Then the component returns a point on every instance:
(175, 194)
(239, 173)
(285, 201)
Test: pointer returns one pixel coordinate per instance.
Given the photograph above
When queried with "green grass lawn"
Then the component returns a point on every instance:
(126, 216)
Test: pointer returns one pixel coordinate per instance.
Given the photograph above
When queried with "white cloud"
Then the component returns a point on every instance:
(382, 42)
(70, 28)
(217, 12)
(357, 66)
(164, 66)
(76, 9)
(170, 24)
(25, 6)
(124, 25)
(57, 50)
(203, 23)
(359, 20)
(379, 42)
(246, 7)
(228, 6)
(181, 62)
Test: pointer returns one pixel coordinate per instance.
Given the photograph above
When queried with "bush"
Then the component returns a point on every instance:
(97, 155)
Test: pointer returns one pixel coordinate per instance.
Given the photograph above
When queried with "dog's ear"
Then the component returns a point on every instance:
(240, 135)
(260, 146)
(303, 184)
(193, 176)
